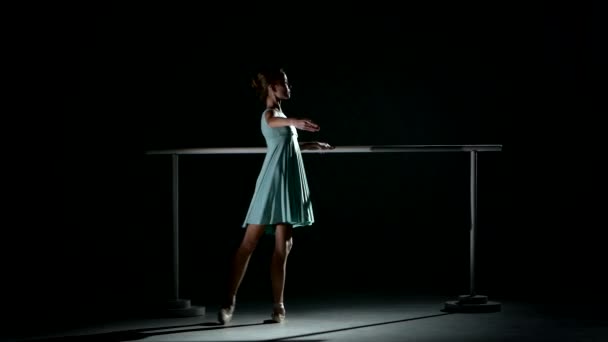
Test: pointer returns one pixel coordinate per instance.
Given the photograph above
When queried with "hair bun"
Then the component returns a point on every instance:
(258, 81)
(265, 78)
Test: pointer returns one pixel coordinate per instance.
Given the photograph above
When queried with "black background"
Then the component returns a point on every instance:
(96, 237)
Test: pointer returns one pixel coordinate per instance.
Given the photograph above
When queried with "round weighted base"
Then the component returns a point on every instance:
(182, 308)
(468, 303)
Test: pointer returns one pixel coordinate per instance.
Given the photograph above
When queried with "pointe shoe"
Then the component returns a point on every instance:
(278, 315)
(225, 315)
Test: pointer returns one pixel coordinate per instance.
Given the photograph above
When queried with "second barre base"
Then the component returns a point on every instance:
(472, 304)
(183, 308)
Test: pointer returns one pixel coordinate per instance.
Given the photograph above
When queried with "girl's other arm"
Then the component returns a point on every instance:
(275, 121)
(303, 124)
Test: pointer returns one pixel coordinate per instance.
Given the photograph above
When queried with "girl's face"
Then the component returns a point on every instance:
(281, 89)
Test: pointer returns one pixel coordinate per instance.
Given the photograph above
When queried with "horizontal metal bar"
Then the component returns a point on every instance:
(338, 149)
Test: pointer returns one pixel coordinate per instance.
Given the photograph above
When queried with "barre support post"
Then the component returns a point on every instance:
(472, 232)
(178, 307)
(472, 302)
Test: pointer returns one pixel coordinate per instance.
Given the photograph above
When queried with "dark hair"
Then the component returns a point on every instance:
(265, 78)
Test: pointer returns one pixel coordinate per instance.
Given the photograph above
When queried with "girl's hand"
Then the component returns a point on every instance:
(316, 145)
(305, 125)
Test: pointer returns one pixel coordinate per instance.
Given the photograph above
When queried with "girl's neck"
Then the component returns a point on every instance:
(273, 103)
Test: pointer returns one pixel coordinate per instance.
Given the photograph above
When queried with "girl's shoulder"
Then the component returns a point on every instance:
(273, 112)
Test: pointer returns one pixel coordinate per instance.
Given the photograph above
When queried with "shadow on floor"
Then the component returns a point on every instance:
(138, 334)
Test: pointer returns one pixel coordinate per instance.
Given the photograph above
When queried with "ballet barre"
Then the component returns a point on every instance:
(340, 149)
(472, 302)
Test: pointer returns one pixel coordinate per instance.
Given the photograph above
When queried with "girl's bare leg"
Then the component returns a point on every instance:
(283, 245)
(239, 267)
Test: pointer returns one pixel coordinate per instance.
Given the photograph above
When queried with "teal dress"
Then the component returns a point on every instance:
(281, 192)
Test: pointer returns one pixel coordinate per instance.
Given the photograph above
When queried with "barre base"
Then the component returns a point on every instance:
(472, 304)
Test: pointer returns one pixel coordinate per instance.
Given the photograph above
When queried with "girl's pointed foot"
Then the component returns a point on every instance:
(224, 316)
(278, 313)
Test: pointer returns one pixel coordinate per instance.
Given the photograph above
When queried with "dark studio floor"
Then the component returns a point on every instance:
(355, 317)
